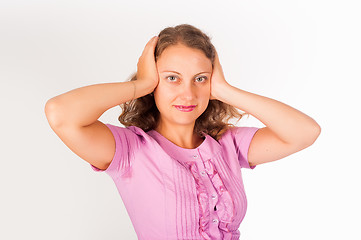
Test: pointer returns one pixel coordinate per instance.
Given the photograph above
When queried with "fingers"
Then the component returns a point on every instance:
(150, 46)
(216, 57)
(152, 42)
(217, 63)
(146, 66)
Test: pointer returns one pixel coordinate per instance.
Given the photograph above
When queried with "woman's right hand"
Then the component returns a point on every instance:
(147, 72)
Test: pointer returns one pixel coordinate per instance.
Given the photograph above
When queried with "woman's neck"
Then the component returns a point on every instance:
(181, 136)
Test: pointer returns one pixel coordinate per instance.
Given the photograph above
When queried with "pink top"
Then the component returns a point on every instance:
(176, 193)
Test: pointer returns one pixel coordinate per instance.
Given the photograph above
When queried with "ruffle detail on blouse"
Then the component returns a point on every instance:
(224, 205)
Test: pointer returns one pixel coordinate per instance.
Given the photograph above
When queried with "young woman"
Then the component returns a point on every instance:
(177, 162)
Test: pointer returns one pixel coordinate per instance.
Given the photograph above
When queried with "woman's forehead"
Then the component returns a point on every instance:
(182, 57)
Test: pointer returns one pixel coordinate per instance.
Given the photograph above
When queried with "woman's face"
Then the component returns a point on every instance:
(184, 80)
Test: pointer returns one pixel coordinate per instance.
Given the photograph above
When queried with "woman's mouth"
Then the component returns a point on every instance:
(185, 108)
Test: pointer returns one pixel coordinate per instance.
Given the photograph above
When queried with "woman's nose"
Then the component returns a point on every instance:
(188, 91)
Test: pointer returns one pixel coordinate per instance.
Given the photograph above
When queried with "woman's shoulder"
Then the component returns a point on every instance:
(129, 131)
(136, 130)
(233, 132)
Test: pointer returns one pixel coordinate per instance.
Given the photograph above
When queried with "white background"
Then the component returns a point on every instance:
(303, 53)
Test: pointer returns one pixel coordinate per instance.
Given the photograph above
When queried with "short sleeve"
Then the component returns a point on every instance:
(126, 142)
(242, 138)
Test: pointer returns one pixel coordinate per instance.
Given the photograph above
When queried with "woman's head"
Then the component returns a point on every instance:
(184, 80)
(184, 56)
(187, 35)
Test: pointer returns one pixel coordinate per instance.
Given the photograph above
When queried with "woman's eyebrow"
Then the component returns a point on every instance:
(181, 74)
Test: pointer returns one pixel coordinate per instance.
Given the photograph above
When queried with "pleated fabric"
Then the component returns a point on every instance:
(176, 193)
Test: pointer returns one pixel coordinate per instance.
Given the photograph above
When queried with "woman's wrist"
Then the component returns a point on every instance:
(142, 88)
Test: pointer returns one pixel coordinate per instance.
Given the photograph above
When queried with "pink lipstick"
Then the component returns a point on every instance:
(185, 108)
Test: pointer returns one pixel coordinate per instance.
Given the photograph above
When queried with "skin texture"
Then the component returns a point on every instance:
(287, 130)
(189, 87)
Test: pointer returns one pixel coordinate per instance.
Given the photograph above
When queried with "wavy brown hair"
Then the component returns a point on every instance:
(143, 112)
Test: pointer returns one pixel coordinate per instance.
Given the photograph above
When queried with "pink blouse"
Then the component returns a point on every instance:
(176, 193)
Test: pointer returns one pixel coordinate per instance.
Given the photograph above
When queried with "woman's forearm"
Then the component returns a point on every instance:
(84, 105)
(290, 125)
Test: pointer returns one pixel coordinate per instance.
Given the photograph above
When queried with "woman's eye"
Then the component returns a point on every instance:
(171, 78)
(204, 78)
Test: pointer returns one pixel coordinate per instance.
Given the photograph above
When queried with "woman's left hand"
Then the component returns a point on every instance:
(217, 79)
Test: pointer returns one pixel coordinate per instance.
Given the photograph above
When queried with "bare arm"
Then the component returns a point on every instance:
(83, 106)
(287, 130)
(73, 115)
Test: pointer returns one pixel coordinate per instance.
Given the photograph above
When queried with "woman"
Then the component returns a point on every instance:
(177, 163)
